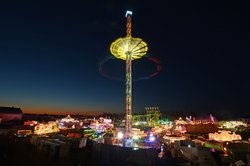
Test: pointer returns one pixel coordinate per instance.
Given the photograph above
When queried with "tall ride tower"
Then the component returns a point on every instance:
(128, 49)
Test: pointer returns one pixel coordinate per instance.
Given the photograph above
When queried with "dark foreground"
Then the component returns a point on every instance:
(19, 151)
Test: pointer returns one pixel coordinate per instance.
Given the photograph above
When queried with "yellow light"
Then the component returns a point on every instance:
(122, 46)
(50, 127)
(135, 136)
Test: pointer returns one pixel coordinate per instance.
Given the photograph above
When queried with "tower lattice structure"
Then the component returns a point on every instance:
(128, 48)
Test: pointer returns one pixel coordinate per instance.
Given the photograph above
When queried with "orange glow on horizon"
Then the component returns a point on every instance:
(61, 111)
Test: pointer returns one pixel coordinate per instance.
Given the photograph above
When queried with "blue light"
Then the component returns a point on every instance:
(151, 138)
(128, 13)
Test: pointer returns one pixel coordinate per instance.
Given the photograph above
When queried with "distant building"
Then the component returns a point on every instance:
(238, 151)
(197, 155)
(10, 115)
(201, 128)
(53, 147)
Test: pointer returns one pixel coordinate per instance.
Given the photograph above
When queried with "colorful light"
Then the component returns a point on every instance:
(156, 62)
(128, 49)
(136, 47)
(120, 135)
(151, 137)
(224, 135)
(135, 136)
(50, 127)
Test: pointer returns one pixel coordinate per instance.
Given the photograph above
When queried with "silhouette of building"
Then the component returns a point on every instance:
(10, 115)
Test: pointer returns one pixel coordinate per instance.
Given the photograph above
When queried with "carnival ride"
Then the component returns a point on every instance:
(46, 128)
(69, 123)
(128, 48)
(151, 118)
(150, 59)
(223, 135)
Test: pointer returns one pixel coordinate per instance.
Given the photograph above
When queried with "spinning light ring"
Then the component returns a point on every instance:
(156, 61)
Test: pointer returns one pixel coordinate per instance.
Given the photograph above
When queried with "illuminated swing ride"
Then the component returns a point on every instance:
(128, 48)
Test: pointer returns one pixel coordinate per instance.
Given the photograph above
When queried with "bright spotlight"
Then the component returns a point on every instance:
(151, 138)
(135, 136)
(128, 13)
(120, 135)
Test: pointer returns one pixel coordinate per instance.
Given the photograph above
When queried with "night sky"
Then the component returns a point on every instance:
(50, 52)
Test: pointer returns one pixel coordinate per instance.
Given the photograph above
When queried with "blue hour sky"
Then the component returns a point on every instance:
(50, 51)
